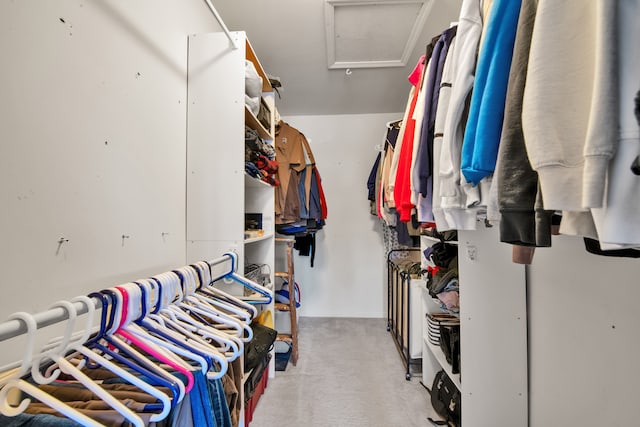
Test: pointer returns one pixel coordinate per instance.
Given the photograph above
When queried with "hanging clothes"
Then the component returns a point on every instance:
(618, 221)
(291, 161)
(456, 195)
(523, 220)
(486, 113)
(385, 199)
(422, 174)
(402, 184)
(570, 61)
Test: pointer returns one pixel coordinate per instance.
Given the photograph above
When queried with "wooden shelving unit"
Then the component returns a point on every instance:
(292, 336)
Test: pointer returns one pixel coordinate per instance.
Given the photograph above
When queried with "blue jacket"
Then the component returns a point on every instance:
(484, 125)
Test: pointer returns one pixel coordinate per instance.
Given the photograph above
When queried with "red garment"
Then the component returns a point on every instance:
(323, 201)
(402, 189)
(416, 74)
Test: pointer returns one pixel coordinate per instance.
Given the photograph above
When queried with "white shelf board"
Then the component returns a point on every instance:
(435, 239)
(442, 360)
(255, 298)
(252, 182)
(258, 239)
(252, 121)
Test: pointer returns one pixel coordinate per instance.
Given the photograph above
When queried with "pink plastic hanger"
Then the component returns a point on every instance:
(144, 345)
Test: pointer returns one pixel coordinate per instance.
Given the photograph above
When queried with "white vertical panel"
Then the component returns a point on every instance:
(93, 131)
(493, 332)
(584, 340)
(215, 138)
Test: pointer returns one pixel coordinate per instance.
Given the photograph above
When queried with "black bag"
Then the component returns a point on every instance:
(443, 253)
(446, 400)
(254, 378)
(450, 345)
(257, 350)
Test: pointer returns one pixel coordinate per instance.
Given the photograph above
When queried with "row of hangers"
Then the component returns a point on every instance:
(173, 322)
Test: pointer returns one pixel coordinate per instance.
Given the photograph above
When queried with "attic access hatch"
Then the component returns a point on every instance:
(373, 33)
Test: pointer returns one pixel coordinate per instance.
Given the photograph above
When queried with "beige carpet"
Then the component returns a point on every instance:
(349, 374)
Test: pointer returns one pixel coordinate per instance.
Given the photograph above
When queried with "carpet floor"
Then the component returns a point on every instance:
(349, 374)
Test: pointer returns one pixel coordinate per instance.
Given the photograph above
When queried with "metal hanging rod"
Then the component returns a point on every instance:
(222, 24)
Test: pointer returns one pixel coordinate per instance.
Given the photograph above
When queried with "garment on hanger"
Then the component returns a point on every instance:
(422, 174)
(571, 147)
(486, 113)
(456, 195)
(506, 142)
(523, 219)
(404, 155)
(142, 383)
(291, 160)
(300, 195)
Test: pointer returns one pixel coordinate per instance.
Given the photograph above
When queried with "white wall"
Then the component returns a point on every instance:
(347, 277)
(584, 340)
(93, 130)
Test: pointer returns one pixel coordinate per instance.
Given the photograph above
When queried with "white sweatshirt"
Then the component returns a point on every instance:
(618, 222)
(569, 102)
(453, 200)
(438, 130)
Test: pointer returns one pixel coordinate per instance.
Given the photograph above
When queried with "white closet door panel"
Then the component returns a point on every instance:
(92, 126)
(493, 332)
(215, 138)
(585, 347)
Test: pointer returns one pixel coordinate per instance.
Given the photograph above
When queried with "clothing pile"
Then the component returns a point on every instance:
(252, 88)
(442, 276)
(516, 122)
(259, 158)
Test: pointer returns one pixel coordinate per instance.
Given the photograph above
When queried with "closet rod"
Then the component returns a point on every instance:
(222, 24)
(15, 327)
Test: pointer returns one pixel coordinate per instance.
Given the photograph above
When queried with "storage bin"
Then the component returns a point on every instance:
(434, 320)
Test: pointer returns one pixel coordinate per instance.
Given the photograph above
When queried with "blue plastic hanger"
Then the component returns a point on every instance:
(176, 316)
(130, 360)
(159, 332)
(245, 282)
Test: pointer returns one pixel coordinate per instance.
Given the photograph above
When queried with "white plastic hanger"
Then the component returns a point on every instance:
(160, 352)
(226, 324)
(79, 348)
(57, 355)
(135, 312)
(176, 320)
(15, 382)
(183, 320)
(224, 320)
(207, 288)
(145, 362)
(234, 308)
(158, 321)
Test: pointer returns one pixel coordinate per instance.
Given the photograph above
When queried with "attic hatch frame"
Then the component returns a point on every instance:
(330, 7)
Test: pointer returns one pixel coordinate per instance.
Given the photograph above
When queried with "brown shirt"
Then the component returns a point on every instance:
(291, 161)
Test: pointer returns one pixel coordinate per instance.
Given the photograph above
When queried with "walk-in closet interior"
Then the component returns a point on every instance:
(434, 218)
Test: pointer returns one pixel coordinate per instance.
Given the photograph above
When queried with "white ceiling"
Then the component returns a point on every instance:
(289, 39)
